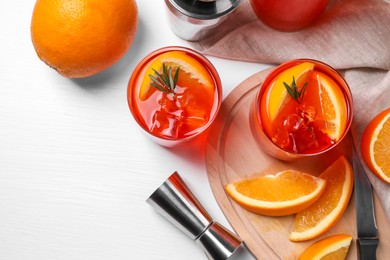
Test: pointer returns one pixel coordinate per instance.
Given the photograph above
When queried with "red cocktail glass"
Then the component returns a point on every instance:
(303, 108)
(174, 94)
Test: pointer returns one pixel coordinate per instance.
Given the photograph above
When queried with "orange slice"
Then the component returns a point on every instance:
(284, 193)
(276, 97)
(192, 72)
(375, 145)
(334, 106)
(328, 209)
(333, 247)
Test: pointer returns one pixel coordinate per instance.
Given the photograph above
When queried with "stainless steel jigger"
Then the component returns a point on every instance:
(176, 202)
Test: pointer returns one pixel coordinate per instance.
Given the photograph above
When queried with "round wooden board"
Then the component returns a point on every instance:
(232, 154)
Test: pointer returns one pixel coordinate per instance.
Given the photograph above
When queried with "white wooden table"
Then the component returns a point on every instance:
(75, 168)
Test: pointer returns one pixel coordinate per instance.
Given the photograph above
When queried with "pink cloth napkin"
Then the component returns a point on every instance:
(352, 36)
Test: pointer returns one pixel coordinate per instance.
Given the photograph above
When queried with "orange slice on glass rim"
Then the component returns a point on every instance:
(328, 209)
(284, 193)
(332, 247)
(192, 72)
(375, 145)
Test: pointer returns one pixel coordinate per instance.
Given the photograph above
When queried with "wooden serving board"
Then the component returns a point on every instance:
(233, 154)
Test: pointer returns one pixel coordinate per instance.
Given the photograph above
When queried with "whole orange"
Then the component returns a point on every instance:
(80, 38)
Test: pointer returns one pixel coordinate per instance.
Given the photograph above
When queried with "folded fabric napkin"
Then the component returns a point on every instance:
(352, 36)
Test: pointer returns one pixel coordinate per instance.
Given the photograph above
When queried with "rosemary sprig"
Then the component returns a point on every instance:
(294, 92)
(165, 82)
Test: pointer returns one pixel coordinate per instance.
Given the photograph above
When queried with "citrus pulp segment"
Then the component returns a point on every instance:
(375, 145)
(284, 193)
(333, 247)
(328, 209)
(192, 72)
(334, 107)
(277, 93)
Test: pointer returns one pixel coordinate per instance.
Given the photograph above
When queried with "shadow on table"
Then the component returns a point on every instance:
(193, 152)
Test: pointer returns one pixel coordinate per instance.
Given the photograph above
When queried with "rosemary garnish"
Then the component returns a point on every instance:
(294, 92)
(165, 82)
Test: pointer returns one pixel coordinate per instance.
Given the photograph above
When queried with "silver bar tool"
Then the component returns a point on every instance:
(175, 202)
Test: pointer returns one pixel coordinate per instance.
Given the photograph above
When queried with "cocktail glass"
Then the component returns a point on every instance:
(174, 109)
(303, 108)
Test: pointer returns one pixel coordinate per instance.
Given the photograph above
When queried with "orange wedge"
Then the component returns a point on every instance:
(276, 97)
(334, 107)
(334, 247)
(375, 145)
(192, 72)
(284, 193)
(328, 209)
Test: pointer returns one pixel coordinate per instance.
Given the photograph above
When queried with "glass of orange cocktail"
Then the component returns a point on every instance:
(303, 108)
(174, 94)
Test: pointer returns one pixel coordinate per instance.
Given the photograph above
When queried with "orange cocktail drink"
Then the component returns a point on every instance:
(303, 108)
(174, 94)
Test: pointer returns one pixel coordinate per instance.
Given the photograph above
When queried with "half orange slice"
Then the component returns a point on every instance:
(333, 247)
(277, 94)
(192, 72)
(376, 145)
(328, 209)
(284, 193)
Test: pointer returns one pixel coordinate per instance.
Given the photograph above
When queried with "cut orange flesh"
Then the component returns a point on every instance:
(192, 72)
(376, 145)
(333, 248)
(328, 209)
(281, 194)
(277, 94)
(333, 106)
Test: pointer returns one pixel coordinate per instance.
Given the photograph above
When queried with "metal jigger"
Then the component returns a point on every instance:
(176, 202)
